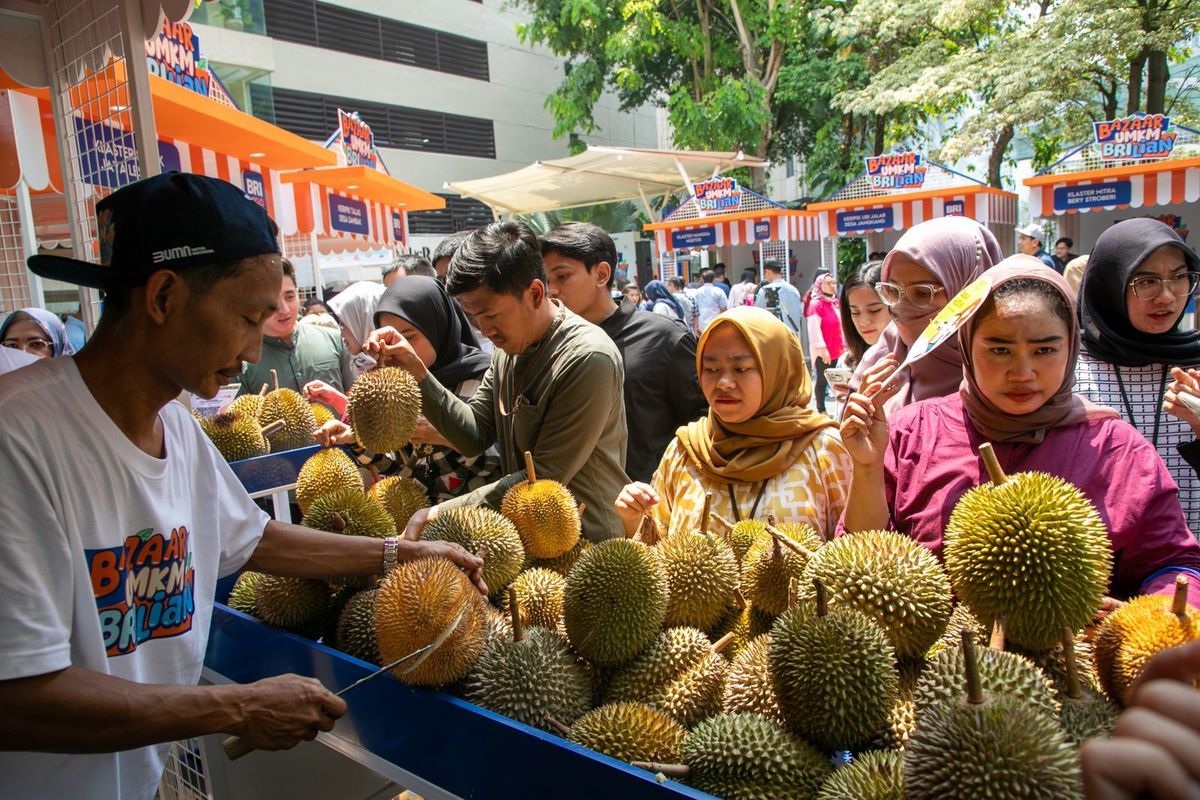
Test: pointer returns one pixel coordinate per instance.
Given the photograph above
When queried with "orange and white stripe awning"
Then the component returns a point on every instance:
(1157, 183)
(770, 225)
(984, 204)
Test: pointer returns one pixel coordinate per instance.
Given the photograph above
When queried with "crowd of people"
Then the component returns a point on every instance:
(640, 402)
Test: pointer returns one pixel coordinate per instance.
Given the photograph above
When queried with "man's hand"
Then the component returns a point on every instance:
(1155, 747)
(333, 433)
(425, 433)
(389, 348)
(278, 713)
(324, 393)
(468, 562)
(1185, 383)
(634, 502)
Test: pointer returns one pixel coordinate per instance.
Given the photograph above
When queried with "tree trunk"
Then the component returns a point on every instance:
(1156, 82)
(996, 158)
(880, 129)
(1134, 103)
(1109, 92)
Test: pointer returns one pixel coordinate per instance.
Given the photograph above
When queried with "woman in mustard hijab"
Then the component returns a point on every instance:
(761, 450)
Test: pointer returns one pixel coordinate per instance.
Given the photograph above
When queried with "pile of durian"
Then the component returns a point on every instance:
(754, 660)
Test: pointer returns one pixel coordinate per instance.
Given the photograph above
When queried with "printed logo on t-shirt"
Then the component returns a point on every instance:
(145, 589)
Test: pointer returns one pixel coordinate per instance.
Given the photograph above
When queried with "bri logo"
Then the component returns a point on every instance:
(183, 251)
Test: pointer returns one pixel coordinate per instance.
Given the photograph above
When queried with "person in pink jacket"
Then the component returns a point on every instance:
(1019, 355)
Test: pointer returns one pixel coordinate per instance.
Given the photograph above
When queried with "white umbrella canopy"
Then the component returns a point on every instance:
(599, 175)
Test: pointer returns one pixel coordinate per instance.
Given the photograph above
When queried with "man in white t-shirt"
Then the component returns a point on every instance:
(710, 301)
(118, 516)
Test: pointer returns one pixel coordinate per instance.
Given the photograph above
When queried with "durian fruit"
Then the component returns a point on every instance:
(382, 408)
(539, 596)
(680, 673)
(322, 413)
(562, 564)
(748, 686)
(544, 512)
(877, 775)
(348, 512)
(748, 757)
(531, 677)
(615, 601)
(297, 604)
(902, 719)
(250, 404)
(430, 601)
(236, 436)
(702, 577)
(743, 535)
(242, 595)
(834, 674)
(771, 564)
(961, 617)
(298, 420)
(1086, 713)
(400, 497)
(630, 732)
(498, 626)
(325, 471)
(890, 577)
(356, 628)
(1032, 550)
(1132, 634)
(745, 624)
(483, 531)
(988, 745)
(1001, 673)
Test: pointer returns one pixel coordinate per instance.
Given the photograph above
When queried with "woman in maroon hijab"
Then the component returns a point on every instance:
(1019, 355)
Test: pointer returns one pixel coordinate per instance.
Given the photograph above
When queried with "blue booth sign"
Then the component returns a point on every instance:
(1093, 195)
(868, 220)
(954, 208)
(256, 190)
(694, 237)
(762, 231)
(348, 216)
(398, 226)
(108, 155)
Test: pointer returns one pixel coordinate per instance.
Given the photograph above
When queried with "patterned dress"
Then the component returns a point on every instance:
(1097, 380)
(813, 490)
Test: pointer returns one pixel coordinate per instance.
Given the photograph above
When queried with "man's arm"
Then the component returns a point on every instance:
(75, 710)
(470, 427)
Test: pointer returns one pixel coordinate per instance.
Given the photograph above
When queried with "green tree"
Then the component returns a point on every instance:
(612, 217)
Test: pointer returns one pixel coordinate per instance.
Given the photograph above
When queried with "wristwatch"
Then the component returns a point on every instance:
(391, 553)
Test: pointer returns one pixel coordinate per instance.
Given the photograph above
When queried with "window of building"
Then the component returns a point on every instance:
(460, 214)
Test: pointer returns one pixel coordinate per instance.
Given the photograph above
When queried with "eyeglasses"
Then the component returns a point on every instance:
(919, 294)
(1148, 287)
(37, 347)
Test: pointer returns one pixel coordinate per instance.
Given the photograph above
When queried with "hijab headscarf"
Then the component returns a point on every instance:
(1108, 335)
(48, 322)
(355, 305)
(768, 443)
(657, 291)
(956, 251)
(1064, 408)
(424, 303)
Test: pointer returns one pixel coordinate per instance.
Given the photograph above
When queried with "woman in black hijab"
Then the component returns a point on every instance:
(421, 310)
(1134, 293)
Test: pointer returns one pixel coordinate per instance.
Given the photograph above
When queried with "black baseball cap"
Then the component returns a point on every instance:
(171, 221)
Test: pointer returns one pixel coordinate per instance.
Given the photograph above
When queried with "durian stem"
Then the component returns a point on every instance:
(723, 642)
(992, 464)
(1179, 604)
(646, 533)
(708, 503)
(514, 612)
(273, 427)
(726, 523)
(781, 538)
(971, 662)
(739, 599)
(529, 470)
(338, 521)
(582, 508)
(822, 600)
(563, 730)
(997, 640)
(263, 391)
(793, 592)
(670, 770)
(275, 380)
(1074, 690)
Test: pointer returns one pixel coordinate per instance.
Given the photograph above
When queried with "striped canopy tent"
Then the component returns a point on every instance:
(1084, 181)
(756, 220)
(860, 209)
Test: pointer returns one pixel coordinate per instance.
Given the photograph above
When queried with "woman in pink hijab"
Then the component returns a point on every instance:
(930, 264)
(1016, 391)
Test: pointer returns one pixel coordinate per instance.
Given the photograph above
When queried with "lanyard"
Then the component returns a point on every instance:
(737, 514)
(1162, 392)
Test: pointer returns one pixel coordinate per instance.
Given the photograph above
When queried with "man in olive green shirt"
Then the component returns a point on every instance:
(299, 354)
(554, 387)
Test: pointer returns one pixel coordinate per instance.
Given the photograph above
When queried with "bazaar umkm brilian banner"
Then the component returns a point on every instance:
(1141, 137)
(896, 171)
